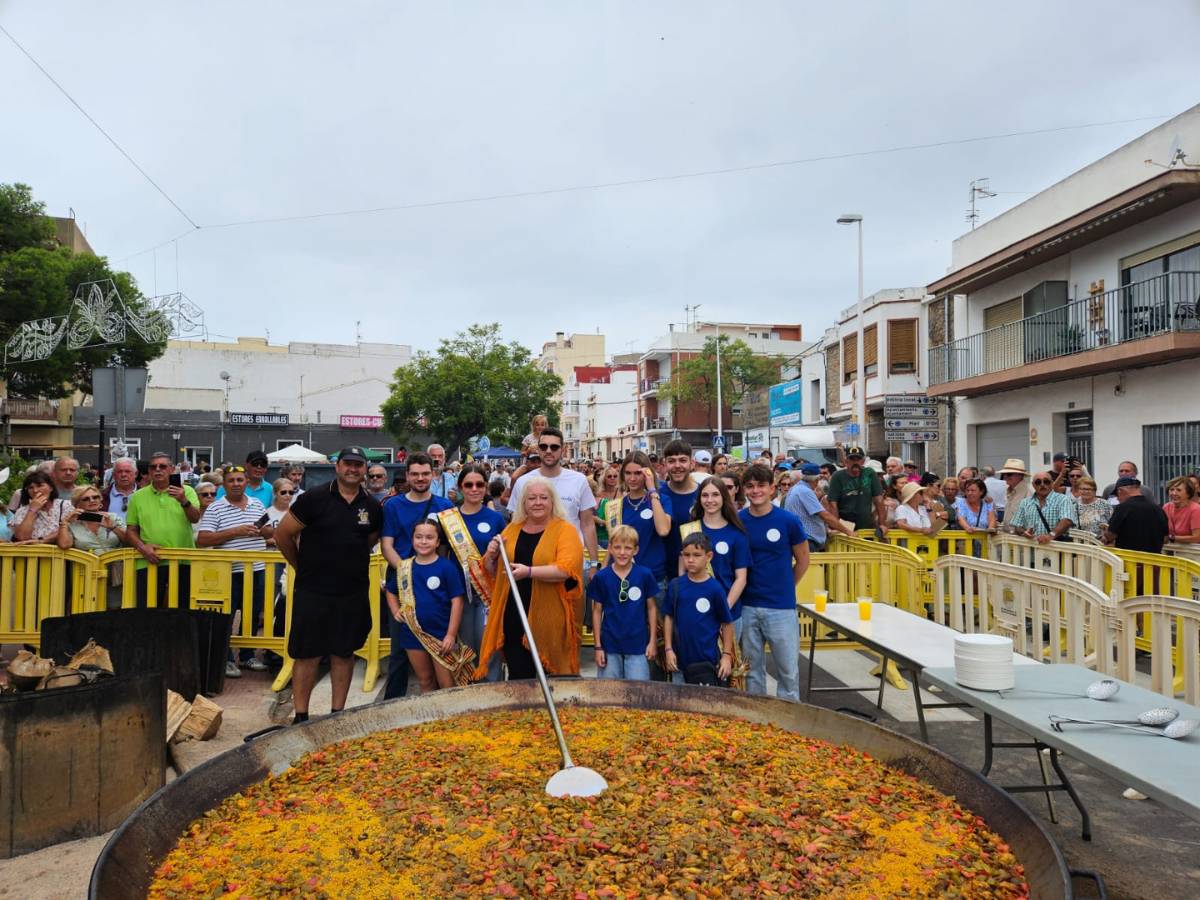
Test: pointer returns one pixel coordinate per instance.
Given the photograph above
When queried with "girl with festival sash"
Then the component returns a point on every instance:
(428, 604)
(469, 529)
(715, 516)
(641, 508)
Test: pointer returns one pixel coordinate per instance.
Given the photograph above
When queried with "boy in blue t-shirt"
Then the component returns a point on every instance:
(624, 615)
(698, 629)
(779, 559)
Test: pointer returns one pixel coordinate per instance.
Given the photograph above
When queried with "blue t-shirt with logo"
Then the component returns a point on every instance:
(624, 627)
(400, 515)
(698, 610)
(640, 517)
(731, 551)
(435, 585)
(679, 508)
(484, 525)
(769, 583)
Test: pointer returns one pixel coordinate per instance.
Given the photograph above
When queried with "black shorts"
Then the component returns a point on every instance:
(328, 624)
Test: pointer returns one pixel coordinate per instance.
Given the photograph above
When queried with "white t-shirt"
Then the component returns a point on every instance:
(916, 518)
(996, 490)
(573, 490)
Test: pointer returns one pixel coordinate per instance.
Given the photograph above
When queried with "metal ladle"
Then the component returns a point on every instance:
(1180, 728)
(571, 780)
(1097, 690)
(1155, 718)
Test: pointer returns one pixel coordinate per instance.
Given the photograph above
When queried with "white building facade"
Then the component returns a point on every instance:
(1073, 318)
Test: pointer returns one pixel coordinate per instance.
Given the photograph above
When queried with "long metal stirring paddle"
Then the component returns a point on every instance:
(571, 780)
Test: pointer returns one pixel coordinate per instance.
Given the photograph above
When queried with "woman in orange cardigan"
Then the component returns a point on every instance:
(547, 559)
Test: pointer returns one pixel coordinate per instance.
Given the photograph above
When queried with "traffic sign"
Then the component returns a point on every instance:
(910, 437)
(484, 445)
(718, 442)
(907, 424)
(909, 400)
(910, 412)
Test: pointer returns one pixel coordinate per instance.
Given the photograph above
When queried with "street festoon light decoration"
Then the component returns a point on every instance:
(99, 317)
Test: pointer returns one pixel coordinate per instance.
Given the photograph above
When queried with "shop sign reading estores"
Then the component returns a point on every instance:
(244, 418)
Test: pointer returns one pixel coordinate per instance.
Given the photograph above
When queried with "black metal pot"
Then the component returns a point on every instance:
(126, 867)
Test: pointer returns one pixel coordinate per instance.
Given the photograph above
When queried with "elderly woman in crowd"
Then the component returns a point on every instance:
(911, 513)
(973, 510)
(41, 512)
(87, 528)
(546, 553)
(1183, 512)
(1094, 511)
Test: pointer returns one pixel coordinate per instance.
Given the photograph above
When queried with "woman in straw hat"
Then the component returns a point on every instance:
(912, 514)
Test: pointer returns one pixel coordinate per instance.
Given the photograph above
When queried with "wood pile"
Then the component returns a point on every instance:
(199, 720)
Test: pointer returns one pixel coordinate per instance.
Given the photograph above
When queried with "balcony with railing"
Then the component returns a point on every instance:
(651, 385)
(1144, 323)
(655, 423)
(40, 410)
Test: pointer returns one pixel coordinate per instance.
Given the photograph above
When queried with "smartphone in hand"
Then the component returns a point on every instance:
(262, 520)
(176, 480)
(91, 517)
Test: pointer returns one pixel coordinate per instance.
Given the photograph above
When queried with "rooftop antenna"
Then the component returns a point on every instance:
(358, 332)
(980, 190)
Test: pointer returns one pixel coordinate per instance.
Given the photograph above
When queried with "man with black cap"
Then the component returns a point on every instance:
(256, 486)
(856, 494)
(1136, 523)
(327, 537)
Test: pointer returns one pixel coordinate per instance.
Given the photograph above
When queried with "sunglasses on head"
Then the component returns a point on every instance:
(549, 446)
(235, 469)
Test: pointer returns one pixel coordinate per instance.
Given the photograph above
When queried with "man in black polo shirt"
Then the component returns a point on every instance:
(331, 611)
(1136, 523)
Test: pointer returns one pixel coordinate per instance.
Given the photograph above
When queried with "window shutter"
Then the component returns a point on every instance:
(849, 358)
(902, 346)
(870, 347)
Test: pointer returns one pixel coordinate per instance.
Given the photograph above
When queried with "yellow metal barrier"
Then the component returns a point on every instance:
(38, 581)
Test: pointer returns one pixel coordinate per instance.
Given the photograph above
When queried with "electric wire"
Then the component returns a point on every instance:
(133, 162)
(651, 179)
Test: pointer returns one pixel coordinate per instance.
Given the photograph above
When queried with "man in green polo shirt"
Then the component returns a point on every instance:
(161, 515)
(856, 494)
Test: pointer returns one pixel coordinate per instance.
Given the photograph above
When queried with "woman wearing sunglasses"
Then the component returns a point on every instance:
(206, 493)
(86, 527)
(469, 529)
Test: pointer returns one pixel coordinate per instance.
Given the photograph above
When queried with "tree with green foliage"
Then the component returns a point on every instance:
(38, 279)
(475, 384)
(695, 380)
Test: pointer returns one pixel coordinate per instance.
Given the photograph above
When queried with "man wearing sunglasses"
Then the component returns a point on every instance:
(573, 490)
(256, 486)
(1047, 515)
(161, 515)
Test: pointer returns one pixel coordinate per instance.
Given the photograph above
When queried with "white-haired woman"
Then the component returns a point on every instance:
(547, 559)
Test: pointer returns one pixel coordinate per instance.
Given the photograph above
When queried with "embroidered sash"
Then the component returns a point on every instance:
(612, 513)
(463, 545)
(461, 660)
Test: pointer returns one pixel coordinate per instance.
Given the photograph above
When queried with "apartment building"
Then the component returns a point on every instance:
(659, 420)
(561, 357)
(603, 399)
(891, 357)
(1070, 321)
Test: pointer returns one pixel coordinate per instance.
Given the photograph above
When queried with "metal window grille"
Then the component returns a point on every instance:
(1169, 451)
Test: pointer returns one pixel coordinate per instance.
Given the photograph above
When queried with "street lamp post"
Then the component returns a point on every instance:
(860, 390)
(175, 438)
(720, 430)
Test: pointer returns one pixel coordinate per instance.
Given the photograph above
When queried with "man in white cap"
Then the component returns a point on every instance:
(1013, 472)
(703, 464)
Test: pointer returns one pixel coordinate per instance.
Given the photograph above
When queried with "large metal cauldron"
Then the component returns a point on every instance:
(126, 867)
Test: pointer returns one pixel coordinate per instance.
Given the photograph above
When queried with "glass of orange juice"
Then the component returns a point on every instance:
(820, 598)
(864, 608)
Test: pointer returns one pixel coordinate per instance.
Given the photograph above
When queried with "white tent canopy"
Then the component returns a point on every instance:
(297, 453)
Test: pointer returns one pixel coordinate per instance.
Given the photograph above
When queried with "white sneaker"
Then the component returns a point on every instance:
(254, 664)
(232, 670)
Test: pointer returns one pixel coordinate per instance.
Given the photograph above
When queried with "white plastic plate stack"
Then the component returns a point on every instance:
(983, 661)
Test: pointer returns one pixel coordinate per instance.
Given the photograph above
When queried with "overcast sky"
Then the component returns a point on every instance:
(258, 110)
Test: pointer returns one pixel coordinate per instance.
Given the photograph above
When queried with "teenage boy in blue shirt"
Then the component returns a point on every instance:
(697, 625)
(779, 559)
